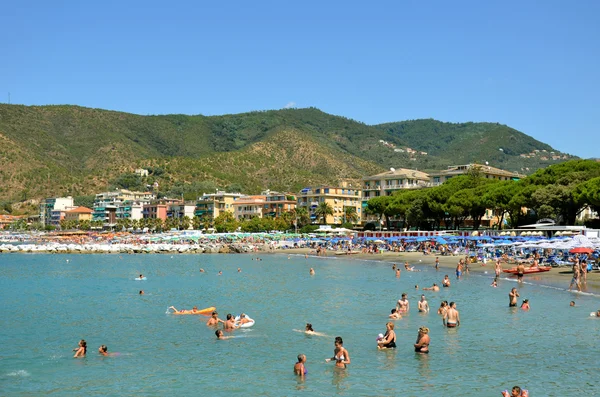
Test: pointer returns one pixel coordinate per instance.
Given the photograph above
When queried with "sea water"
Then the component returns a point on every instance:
(50, 302)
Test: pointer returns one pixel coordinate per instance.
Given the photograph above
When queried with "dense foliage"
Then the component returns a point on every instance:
(559, 192)
(50, 151)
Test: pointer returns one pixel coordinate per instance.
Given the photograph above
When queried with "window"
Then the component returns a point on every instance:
(326, 190)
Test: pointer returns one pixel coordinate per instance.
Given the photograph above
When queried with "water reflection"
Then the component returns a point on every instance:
(339, 375)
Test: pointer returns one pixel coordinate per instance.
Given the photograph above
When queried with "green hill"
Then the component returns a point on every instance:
(62, 150)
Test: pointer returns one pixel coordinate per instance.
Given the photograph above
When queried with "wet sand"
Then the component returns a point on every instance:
(557, 276)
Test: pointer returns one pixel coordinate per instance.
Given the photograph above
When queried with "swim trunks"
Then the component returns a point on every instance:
(458, 273)
(450, 325)
(391, 345)
(519, 275)
(418, 350)
(512, 305)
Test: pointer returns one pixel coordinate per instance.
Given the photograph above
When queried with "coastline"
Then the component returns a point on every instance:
(559, 277)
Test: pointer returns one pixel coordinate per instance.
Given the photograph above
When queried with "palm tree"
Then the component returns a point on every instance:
(302, 216)
(350, 214)
(323, 210)
(196, 222)
(185, 223)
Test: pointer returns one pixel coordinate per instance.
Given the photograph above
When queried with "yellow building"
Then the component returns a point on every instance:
(339, 198)
(486, 171)
(78, 214)
(216, 203)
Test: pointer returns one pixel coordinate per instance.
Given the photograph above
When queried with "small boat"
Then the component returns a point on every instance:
(529, 270)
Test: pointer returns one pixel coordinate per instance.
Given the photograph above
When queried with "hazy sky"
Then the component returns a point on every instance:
(531, 65)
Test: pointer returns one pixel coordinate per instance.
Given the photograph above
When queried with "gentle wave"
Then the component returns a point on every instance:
(20, 373)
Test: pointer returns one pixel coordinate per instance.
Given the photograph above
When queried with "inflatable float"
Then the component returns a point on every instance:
(245, 325)
(529, 270)
(205, 312)
(140, 279)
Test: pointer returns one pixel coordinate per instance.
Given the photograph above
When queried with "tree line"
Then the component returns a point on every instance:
(559, 192)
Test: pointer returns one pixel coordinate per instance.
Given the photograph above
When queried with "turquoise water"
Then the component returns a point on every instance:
(48, 304)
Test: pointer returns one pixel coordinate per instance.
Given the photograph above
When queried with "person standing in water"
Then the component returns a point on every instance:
(423, 305)
(341, 357)
(423, 340)
(214, 320)
(498, 268)
(512, 297)
(437, 263)
(389, 339)
(520, 272)
(451, 317)
(446, 281)
(403, 305)
(299, 368)
(576, 276)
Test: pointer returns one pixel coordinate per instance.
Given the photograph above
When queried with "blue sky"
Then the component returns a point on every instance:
(531, 65)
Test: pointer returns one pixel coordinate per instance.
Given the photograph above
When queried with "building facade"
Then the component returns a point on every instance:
(339, 198)
(78, 214)
(277, 203)
(249, 207)
(50, 209)
(215, 204)
(119, 204)
(485, 171)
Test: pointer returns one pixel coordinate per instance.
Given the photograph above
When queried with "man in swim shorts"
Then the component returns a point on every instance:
(451, 318)
(459, 268)
(512, 296)
(229, 324)
(403, 304)
(437, 263)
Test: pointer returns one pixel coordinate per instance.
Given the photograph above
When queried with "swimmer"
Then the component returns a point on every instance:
(423, 305)
(81, 350)
(239, 269)
(446, 281)
(194, 310)
(141, 292)
(417, 286)
(515, 392)
(572, 303)
(229, 324)
(434, 287)
(220, 273)
(389, 339)
(340, 354)
(201, 270)
(494, 283)
(394, 266)
(310, 331)
(403, 305)
(311, 271)
(423, 340)
(451, 318)
(395, 315)
(103, 350)
(512, 296)
(141, 276)
(299, 368)
(525, 304)
(221, 336)
(214, 320)
(398, 273)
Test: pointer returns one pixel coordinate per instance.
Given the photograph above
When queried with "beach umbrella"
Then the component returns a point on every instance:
(581, 250)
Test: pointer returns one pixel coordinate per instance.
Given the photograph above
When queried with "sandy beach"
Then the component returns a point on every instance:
(557, 276)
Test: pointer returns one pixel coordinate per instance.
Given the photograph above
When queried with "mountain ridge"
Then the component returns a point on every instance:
(60, 150)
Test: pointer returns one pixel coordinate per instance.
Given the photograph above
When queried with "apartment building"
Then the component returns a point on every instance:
(486, 171)
(339, 198)
(52, 209)
(216, 203)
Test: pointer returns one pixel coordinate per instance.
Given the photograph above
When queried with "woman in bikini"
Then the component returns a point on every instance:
(340, 354)
(299, 368)
(389, 339)
(422, 345)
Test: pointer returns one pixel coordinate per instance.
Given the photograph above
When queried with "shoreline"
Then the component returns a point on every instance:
(559, 277)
